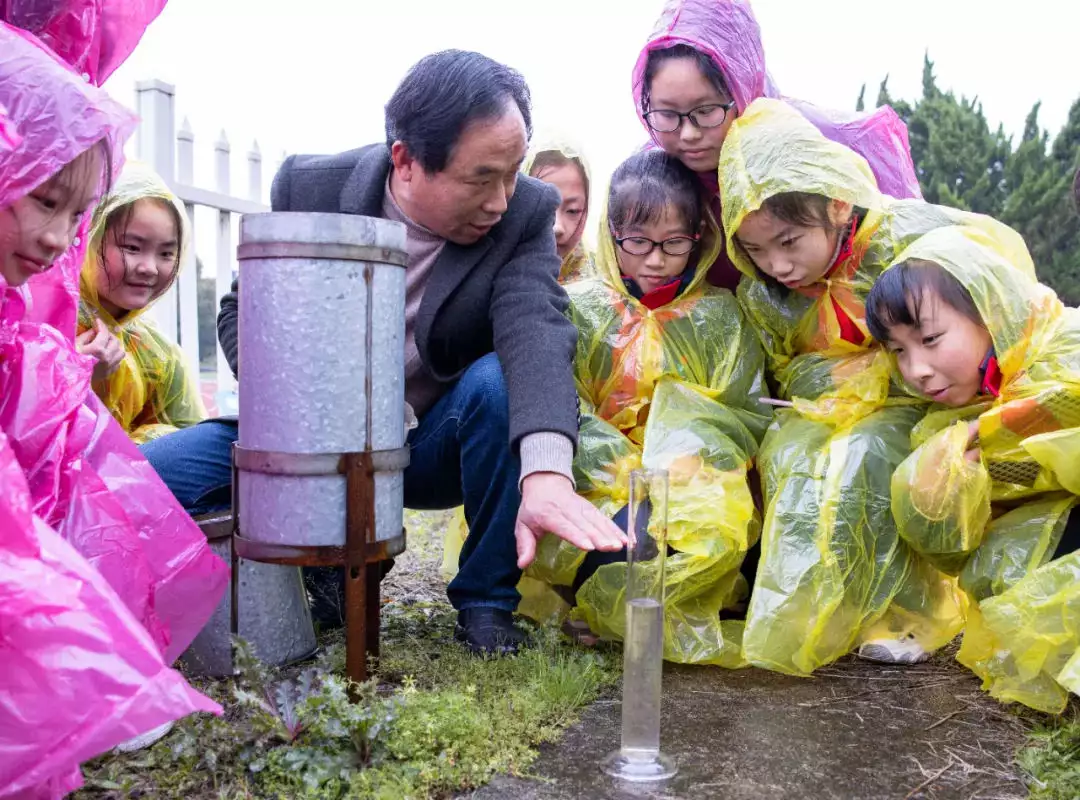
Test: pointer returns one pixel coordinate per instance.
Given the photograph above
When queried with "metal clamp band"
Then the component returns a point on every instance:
(315, 555)
(215, 526)
(269, 462)
(322, 250)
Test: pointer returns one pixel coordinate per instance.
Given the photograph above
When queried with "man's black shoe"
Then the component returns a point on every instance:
(488, 631)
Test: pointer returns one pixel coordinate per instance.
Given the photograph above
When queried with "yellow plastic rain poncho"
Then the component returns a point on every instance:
(674, 388)
(832, 562)
(579, 264)
(997, 521)
(152, 392)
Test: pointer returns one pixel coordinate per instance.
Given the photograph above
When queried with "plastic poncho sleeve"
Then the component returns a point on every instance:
(1016, 543)
(831, 560)
(152, 393)
(731, 371)
(1025, 643)
(175, 401)
(81, 674)
(941, 499)
(712, 521)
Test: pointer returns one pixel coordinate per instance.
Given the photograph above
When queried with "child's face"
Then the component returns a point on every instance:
(571, 213)
(795, 255)
(37, 228)
(941, 357)
(679, 86)
(657, 268)
(140, 258)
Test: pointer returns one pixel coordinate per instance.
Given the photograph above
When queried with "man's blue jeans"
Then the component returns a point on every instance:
(460, 455)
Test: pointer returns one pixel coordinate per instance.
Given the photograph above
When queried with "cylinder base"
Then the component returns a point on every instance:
(639, 766)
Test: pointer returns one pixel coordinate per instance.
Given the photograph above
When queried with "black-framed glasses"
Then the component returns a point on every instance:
(640, 246)
(707, 116)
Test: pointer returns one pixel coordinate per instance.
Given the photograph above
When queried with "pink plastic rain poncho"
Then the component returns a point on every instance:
(106, 580)
(93, 37)
(728, 32)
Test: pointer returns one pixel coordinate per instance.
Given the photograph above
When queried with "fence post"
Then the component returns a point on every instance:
(188, 281)
(225, 381)
(155, 145)
(255, 173)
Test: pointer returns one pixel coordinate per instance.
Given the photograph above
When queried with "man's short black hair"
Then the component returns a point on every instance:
(442, 94)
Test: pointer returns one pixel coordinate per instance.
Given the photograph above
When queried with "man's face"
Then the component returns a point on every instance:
(468, 197)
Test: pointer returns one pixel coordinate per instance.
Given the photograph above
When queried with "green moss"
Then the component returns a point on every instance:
(1052, 759)
(440, 721)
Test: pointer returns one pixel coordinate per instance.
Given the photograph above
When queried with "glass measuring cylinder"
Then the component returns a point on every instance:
(639, 757)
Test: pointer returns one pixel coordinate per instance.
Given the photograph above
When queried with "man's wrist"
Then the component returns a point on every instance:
(547, 451)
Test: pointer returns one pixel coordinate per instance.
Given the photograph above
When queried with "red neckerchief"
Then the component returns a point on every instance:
(661, 295)
(849, 331)
(991, 382)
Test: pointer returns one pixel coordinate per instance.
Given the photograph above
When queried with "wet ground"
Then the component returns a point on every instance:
(856, 730)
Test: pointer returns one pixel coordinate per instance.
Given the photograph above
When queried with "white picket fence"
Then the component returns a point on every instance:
(171, 152)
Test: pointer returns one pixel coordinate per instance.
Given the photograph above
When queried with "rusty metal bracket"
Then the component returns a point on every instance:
(361, 553)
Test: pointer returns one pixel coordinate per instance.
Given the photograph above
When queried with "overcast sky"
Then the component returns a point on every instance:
(313, 77)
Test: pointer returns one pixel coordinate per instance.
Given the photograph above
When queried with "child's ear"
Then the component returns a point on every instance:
(840, 212)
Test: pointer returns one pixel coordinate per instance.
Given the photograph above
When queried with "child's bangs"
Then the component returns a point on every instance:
(85, 170)
(899, 293)
(641, 205)
(547, 160)
(803, 209)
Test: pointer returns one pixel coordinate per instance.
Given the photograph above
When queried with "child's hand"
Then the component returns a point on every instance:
(100, 343)
(974, 453)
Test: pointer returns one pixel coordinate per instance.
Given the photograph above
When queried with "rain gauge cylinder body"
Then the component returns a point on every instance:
(321, 452)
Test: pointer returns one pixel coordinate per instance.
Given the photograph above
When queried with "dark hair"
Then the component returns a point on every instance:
(77, 170)
(553, 159)
(656, 58)
(444, 92)
(645, 184)
(116, 226)
(897, 296)
(805, 209)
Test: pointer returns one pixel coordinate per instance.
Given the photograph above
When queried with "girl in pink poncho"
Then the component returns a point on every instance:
(104, 580)
(703, 65)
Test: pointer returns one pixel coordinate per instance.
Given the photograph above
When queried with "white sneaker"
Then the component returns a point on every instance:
(904, 650)
(144, 740)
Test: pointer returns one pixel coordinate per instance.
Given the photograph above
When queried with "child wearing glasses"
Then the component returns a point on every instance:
(703, 65)
(670, 375)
